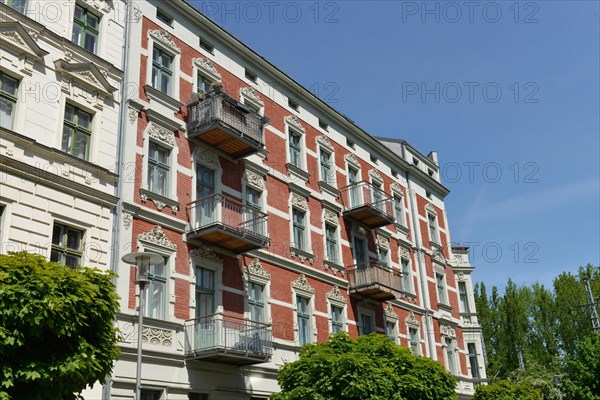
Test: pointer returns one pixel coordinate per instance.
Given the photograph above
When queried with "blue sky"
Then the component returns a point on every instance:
(507, 93)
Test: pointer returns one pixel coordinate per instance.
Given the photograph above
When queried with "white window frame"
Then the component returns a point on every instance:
(149, 136)
(326, 223)
(466, 307)
(363, 237)
(300, 203)
(418, 335)
(209, 261)
(301, 288)
(434, 216)
(302, 143)
(362, 310)
(444, 296)
(174, 52)
(449, 347)
(256, 274)
(408, 276)
(334, 298)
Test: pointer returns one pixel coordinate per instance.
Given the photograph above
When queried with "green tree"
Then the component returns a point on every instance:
(57, 332)
(369, 367)
(506, 390)
(541, 339)
(582, 370)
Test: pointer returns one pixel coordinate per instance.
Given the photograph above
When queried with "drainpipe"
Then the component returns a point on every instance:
(114, 250)
(429, 335)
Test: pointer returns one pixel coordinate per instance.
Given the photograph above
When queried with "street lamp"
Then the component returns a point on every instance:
(142, 261)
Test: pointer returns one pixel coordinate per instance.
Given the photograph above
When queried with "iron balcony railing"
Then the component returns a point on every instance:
(365, 194)
(224, 334)
(373, 273)
(219, 209)
(217, 107)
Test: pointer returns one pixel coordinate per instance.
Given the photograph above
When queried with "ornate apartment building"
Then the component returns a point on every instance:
(279, 220)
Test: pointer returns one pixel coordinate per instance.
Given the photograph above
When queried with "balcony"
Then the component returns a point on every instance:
(367, 204)
(226, 124)
(227, 339)
(226, 223)
(372, 280)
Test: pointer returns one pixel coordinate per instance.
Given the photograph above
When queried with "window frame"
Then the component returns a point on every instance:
(22, 5)
(326, 167)
(296, 149)
(156, 165)
(463, 297)
(62, 248)
(414, 341)
(371, 317)
(77, 129)
(85, 28)
(257, 304)
(304, 316)
(210, 290)
(405, 270)
(331, 239)
(10, 97)
(337, 324)
(156, 280)
(440, 283)
(299, 229)
(450, 350)
(161, 69)
(433, 229)
(399, 209)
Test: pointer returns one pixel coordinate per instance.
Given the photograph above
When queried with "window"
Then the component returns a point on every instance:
(390, 330)
(337, 319)
(77, 132)
(8, 100)
(205, 292)
(66, 245)
(323, 125)
(374, 159)
(432, 221)
(251, 76)
(256, 302)
(295, 149)
(472, 349)
(303, 311)
(430, 172)
(299, 227)
(331, 243)
(147, 394)
(413, 335)
(406, 278)
(293, 105)
(85, 29)
(366, 324)
(327, 174)
(462, 294)
(350, 143)
(162, 71)
(19, 5)
(378, 196)
(354, 189)
(158, 169)
(162, 16)
(399, 210)
(450, 356)
(415, 162)
(383, 255)
(209, 47)
(441, 288)
(253, 212)
(156, 291)
(203, 84)
(358, 250)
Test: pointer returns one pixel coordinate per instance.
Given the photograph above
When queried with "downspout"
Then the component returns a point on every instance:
(114, 250)
(430, 337)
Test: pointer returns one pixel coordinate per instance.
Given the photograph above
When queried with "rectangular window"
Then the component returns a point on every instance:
(473, 360)
(299, 228)
(331, 243)
(450, 356)
(462, 294)
(253, 213)
(203, 84)
(295, 149)
(354, 189)
(19, 5)
(432, 221)
(406, 278)
(156, 291)
(293, 105)
(383, 257)
(256, 302)
(358, 250)
(162, 16)
(303, 312)
(158, 169)
(207, 46)
(66, 245)
(8, 100)
(441, 288)
(205, 292)
(414, 340)
(251, 76)
(323, 125)
(399, 210)
(337, 319)
(147, 394)
(77, 132)
(378, 196)
(85, 29)
(366, 324)
(327, 173)
(162, 71)
(390, 330)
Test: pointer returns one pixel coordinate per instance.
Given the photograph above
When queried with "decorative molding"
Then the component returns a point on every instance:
(301, 255)
(430, 208)
(100, 5)
(335, 295)
(389, 312)
(161, 134)
(299, 202)
(439, 257)
(460, 276)
(255, 180)
(295, 123)
(157, 336)
(374, 174)
(208, 159)
(302, 284)
(133, 115)
(87, 74)
(397, 189)
(207, 68)
(256, 269)
(324, 141)
(14, 37)
(159, 204)
(383, 242)
(404, 253)
(351, 159)
(164, 38)
(127, 220)
(158, 237)
(331, 217)
(205, 252)
(412, 320)
(447, 331)
(251, 94)
(143, 198)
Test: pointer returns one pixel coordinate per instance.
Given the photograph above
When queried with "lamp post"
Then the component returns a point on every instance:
(142, 261)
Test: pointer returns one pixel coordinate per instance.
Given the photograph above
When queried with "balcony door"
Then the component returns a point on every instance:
(354, 195)
(208, 326)
(377, 196)
(206, 203)
(359, 251)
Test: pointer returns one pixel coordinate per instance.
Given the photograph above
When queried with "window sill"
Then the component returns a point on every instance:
(328, 188)
(302, 255)
(445, 307)
(334, 266)
(401, 228)
(162, 98)
(297, 172)
(159, 201)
